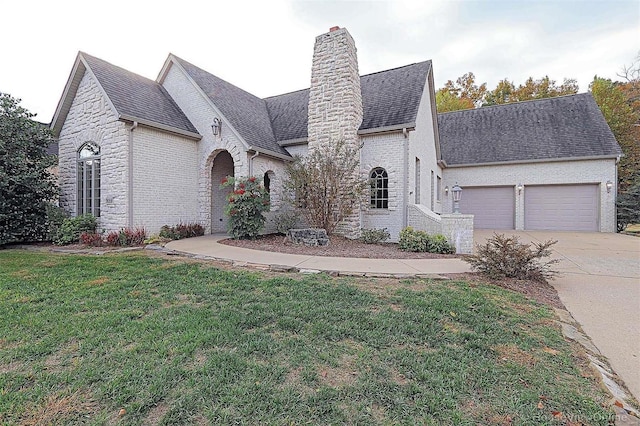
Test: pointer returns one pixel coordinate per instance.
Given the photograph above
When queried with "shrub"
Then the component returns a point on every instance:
(127, 237)
(285, 221)
(327, 184)
(412, 240)
(71, 228)
(439, 244)
(91, 239)
(628, 205)
(181, 230)
(55, 216)
(420, 241)
(374, 236)
(506, 257)
(245, 207)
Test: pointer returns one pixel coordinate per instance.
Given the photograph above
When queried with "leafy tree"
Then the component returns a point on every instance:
(327, 184)
(506, 92)
(620, 115)
(463, 94)
(25, 181)
(629, 205)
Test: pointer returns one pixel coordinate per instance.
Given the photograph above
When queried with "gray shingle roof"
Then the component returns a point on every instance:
(136, 96)
(246, 112)
(389, 98)
(563, 127)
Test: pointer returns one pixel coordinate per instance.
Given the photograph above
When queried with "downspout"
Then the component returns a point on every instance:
(405, 218)
(251, 163)
(130, 197)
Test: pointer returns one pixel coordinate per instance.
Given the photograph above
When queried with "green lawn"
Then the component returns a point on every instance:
(128, 339)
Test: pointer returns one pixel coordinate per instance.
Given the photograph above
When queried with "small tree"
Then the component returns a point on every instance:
(25, 181)
(327, 184)
(245, 207)
(629, 205)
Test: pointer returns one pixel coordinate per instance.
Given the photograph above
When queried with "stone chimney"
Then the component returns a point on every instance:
(335, 100)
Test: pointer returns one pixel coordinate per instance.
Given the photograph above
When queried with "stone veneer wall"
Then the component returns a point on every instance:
(91, 119)
(458, 228)
(335, 101)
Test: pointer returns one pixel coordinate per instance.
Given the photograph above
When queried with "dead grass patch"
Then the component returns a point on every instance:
(60, 360)
(98, 281)
(23, 274)
(344, 374)
(61, 409)
(156, 414)
(12, 367)
(514, 354)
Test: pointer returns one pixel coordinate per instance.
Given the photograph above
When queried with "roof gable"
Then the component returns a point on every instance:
(245, 112)
(546, 129)
(132, 96)
(389, 98)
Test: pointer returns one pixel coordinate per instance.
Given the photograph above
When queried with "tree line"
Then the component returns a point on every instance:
(619, 101)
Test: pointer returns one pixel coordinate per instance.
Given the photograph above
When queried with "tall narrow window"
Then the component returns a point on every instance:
(433, 189)
(267, 182)
(88, 179)
(417, 186)
(439, 189)
(379, 188)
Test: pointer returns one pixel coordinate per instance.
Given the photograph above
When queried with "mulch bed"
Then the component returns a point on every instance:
(338, 247)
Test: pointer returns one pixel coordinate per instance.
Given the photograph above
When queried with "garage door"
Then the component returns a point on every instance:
(493, 207)
(561, 207)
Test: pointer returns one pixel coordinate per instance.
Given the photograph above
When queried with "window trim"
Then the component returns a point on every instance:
(88, 179)
(379, 189)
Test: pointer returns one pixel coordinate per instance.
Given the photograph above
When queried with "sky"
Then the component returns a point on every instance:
(265, 47)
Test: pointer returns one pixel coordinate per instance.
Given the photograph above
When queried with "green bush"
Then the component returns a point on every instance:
(181, 230)
(71, 228)
(245, 207)
(55, 216)
(420, 241)
(506, 257)
(374, 236)
(439, 244)
(285, 221)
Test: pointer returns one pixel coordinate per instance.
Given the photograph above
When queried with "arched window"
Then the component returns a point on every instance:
(88, 179)
(379, 188)
(266, 180)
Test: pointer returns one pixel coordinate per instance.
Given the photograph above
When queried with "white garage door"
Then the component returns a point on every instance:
(493, 207)
(561, 207)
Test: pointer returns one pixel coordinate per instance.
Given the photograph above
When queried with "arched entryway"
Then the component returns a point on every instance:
(221, 168)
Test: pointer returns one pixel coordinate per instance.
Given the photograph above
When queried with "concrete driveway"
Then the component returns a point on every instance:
(600, 285)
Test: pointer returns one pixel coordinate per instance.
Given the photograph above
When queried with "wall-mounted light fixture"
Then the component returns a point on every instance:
(520, 187)
(446, 191)
(609, 185)
(216, 127)
(456, 191)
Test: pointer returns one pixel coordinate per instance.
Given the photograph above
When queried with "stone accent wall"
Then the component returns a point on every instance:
(561, 172)
(335, 101)
(91, 119)
(458, 228)
(165, 185)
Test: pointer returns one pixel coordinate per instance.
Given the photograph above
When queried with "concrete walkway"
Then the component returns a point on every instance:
(209, 246)
(599, 282)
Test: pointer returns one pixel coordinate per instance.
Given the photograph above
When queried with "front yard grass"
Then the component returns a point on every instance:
(129, 339)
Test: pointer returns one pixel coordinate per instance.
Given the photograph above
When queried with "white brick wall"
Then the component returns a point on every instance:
(201, 113)
(91, 119)
(387, 151)
(165, 179)
(566, 172)
(422, 145)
